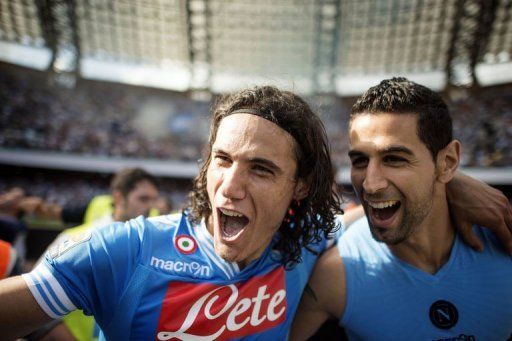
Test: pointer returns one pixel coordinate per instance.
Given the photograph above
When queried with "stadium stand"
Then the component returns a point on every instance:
(97, 119)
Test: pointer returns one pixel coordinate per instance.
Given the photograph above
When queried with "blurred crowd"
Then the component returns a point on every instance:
(483, 122)
(103, 119)
(98, 119)
(56, 191)
(63, 187)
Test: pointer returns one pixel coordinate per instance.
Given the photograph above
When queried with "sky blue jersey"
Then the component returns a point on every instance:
(161, 279)
(469, 298)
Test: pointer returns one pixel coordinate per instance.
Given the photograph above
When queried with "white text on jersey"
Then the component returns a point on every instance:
(192, 268)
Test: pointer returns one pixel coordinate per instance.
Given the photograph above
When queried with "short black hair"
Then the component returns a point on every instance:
(126, 179)
(399, 95)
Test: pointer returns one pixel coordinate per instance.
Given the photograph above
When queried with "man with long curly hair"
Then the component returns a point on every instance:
(291, 193)
(233, 265)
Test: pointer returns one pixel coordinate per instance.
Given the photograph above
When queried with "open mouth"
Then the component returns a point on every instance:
(382, 212)
(232, 223)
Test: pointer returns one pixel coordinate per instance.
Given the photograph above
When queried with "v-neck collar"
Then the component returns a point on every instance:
(421, 274)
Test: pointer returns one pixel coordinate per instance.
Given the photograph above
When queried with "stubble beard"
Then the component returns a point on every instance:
(410, 222)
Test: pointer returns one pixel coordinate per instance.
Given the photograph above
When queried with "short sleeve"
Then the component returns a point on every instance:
(88, 271)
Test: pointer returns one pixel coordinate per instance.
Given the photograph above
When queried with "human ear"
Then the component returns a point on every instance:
(447, 161)
(301, 190)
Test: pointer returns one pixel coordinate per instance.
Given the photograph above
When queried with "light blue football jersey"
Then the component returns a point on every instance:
(469, 298)
(160, 279)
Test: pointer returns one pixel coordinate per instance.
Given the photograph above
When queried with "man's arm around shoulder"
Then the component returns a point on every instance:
(323, 298)
(20, 314)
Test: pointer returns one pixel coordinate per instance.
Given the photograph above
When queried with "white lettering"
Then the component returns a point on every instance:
(158, 263)
(192, 268)
(194, 311)
(231, 300)
(169, 265)
(239, 309)
(274, 302)
(260, 296)
(206, 303)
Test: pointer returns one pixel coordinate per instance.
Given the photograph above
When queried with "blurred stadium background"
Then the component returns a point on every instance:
(89, 87)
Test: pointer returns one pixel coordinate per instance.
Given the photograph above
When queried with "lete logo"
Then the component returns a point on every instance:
(206, 311)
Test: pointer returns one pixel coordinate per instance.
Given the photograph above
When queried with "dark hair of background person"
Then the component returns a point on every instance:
(313, 216)
(126, 180)
(398, 95)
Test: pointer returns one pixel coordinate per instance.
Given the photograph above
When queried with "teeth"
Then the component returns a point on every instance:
(230, 213)
(383, 204)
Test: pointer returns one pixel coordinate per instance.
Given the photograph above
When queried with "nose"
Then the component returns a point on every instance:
(374, 180)
(234, 183)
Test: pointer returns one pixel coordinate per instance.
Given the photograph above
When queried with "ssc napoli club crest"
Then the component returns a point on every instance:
(443, 314)
(185, 244)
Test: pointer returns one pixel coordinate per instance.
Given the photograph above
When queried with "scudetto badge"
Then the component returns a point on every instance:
(185, 244)
(443, 314)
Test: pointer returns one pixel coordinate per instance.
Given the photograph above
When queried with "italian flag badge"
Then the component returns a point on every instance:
(185, 244)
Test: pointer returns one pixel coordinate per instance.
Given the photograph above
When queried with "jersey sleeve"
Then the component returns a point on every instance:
(88, 271)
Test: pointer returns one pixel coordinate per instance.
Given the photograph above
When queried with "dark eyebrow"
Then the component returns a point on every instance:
(258, 160)
(218, 150)
(267, 163)
(389, 150)
(397, 149)
(355, 153)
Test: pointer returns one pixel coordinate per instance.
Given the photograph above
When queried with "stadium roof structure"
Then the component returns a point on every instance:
(310, 46)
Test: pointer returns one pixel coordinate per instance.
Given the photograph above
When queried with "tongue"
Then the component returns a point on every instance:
(233, 225)
(385, 213)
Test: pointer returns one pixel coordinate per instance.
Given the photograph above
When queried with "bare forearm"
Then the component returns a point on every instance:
(307, 321)
(19, 312)
(474, 202)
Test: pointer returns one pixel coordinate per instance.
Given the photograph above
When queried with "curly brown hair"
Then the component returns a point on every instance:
(314, 217)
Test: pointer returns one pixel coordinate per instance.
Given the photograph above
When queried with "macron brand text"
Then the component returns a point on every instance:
(193, 268)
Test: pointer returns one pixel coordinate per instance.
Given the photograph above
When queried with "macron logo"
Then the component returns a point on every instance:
(193, 268)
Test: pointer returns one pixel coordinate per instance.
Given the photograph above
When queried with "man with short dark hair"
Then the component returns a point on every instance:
(234, 265)
(134, 193)
(403, 273)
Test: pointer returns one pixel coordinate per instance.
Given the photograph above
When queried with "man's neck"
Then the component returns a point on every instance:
(429, 247)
